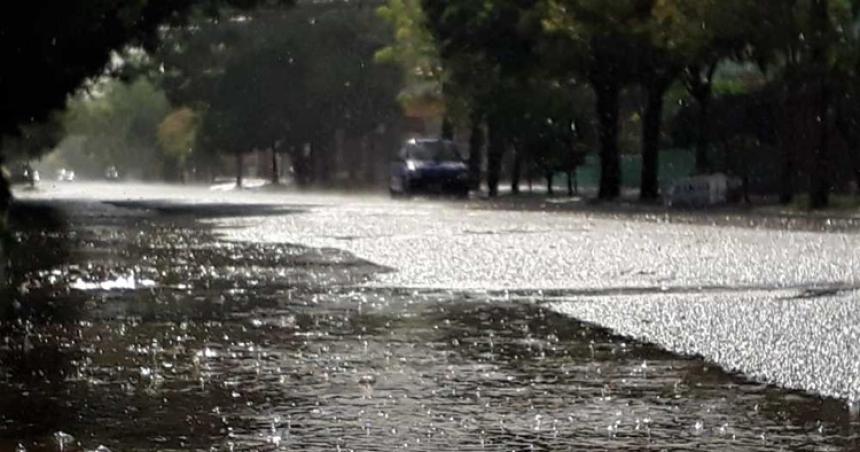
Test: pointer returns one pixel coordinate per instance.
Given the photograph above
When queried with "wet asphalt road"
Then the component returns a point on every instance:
(178, 319)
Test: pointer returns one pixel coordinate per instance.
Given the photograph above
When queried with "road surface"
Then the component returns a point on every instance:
(776, 306)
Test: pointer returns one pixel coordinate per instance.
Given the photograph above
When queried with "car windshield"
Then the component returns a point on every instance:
(437, 151)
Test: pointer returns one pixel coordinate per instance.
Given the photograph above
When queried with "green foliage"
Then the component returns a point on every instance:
(290, 78)
(484, 47)
(701, 31)
(495, 51)
(119, 124)
(56, 47)
(413, 47)
(177, 134)
(33, 140)
(605, 38)
(52, 48)
(550, 130)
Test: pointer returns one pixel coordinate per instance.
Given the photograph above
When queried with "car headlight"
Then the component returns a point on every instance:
(410, 166)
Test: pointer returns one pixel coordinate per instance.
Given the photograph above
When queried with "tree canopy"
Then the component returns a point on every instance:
(297, 79)
(119, 125)
(488, 50)
(56, 47)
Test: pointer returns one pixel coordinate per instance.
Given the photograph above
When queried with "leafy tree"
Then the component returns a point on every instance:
(686, 39)
(552, 133)
(601, 41)
(660, 66)
(702, 34)
(429, 84)
(35, 139)
(810, 44)
(177, 136)
(298, 78)
(414, 49)
(57, 47)
(249, 109)
(119, 123)
(487, 49)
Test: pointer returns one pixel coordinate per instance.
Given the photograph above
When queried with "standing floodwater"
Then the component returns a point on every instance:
(139, 329)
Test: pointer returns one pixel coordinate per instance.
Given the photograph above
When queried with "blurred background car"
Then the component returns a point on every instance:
(111, 173)
(429, 166)
(64, 175)
(25, 174)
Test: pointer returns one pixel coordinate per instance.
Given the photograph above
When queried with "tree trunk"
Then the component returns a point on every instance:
(516, 171)
(495, 151)
(701, 90)
(5, 205)
(856, 181)
(329, 165)
(649, 189)
(276, 177)
(476, 145)
(608, 93)
(848, 130)
(703, 163)
(789, 110)
(370, 160)
(789, 150)
(447, 128)
(5, 194)
(240, 167)
(323, 162)
(300, 158)
(820, 184)
(356, 157)
(570, 183)
(549, 189)
(786, 189)
(315, 164)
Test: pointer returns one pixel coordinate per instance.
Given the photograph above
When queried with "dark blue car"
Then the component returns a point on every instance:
(429, 166)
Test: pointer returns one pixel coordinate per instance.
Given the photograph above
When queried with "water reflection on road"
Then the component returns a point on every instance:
(146, 332)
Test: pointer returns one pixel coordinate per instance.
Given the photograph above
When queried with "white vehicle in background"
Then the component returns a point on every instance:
(64, 175)
(26, 174)
(111, 173)
(701, 191)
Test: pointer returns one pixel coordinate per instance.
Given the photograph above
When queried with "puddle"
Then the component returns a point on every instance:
(243, 346)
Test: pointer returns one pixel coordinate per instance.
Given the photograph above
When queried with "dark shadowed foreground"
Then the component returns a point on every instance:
(134, 327)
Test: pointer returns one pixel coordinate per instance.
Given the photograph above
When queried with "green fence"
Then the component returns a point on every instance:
(674, 164)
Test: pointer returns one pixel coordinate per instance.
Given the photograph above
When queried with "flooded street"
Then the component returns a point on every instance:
(512, 226)
(146, 324)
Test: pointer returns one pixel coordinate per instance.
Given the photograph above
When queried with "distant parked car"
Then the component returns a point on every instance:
(431, 166)
(64, 175)
(26, 175)
(111, 173)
